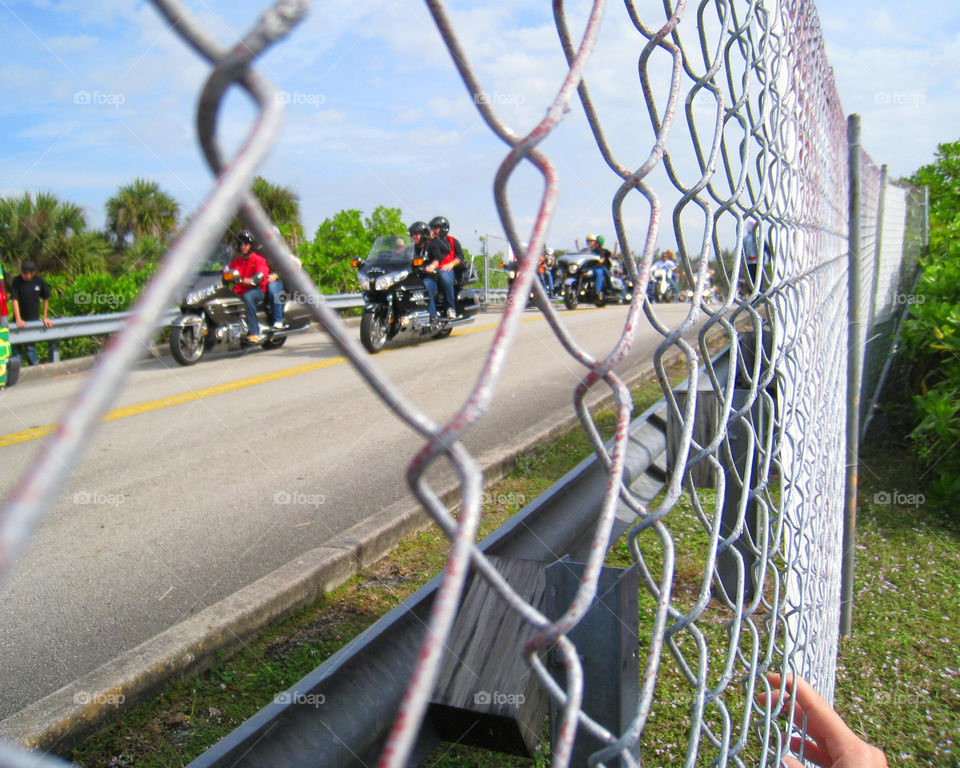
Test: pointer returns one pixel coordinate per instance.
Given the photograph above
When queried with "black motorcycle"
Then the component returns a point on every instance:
(579, 282)
(211, 314)
(395, 298)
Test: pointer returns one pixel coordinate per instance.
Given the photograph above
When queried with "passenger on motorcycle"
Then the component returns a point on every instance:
(602, 270)
(250, 264)
(444, 253)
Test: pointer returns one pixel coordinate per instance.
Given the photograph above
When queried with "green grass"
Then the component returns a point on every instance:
(898, 677)
(897, 674)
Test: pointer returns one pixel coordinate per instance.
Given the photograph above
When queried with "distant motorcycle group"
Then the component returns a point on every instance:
(595, 276)
(415, 285)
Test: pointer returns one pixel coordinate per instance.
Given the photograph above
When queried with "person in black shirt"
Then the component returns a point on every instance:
(602, 270)
(443, 255)
(29, 293)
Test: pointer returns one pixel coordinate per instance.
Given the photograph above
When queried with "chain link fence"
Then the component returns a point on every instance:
(739, 558)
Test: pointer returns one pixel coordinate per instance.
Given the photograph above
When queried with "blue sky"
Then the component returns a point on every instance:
(97, 92)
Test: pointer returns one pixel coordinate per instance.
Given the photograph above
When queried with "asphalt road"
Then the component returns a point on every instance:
(179, 504)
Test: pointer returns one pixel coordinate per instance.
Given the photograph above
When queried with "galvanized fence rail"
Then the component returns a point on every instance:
(739, 559)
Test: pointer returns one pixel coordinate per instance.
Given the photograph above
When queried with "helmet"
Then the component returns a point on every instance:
(599, 239)
(441, 223)
(418, 228)
(591, 237)
(244, 236)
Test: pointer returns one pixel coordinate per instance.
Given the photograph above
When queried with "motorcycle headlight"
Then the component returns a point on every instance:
(512, 274)
(384, 282)
(572, 269)
(364, 282)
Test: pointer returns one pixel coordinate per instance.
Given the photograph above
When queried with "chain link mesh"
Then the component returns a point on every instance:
(747, 126)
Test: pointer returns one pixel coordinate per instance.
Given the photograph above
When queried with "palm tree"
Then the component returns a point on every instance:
(141, 209)
(50, 232)
(282, 205)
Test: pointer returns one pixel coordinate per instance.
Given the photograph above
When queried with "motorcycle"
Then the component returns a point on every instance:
(511, 268)
(579, 282)
(211, 314)
(395, 298)
(660, 289)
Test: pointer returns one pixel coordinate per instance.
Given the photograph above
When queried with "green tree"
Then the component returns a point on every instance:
(141, 209)
(931, 334)
(338, 240)
(50, 232)
(282, 205)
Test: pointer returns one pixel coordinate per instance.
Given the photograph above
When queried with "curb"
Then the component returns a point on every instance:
(64, 719)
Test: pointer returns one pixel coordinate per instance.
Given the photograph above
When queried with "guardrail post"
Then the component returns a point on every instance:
(607, 641)
(54, 351)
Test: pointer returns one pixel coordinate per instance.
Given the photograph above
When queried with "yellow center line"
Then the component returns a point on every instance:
(165, 402)
(35, 433)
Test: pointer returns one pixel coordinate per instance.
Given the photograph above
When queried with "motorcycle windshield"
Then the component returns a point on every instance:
(391, 252)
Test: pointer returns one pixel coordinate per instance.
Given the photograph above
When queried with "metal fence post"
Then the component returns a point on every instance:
(854, 378)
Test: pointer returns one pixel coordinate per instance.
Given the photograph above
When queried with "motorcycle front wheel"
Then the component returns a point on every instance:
(187, 343)
(570, 298)
(373, 329)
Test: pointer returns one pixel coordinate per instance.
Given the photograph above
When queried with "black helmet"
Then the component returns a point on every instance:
(244, 236)
(418, 228)
(441, 223)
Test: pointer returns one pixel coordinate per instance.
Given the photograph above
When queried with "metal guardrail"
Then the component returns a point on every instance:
(64, 328)
(362, 684)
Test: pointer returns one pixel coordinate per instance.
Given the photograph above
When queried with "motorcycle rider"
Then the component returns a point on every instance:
(249, 264)
(547, 262)
(444, 253)
(419, 233)
(668, 263)
(602, 270)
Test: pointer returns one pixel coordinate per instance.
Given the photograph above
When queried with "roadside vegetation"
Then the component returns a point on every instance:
(94, 272)
(931, 336)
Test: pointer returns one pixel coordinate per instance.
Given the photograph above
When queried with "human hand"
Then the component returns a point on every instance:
(833, 744)
(21, 322)
(48, 322)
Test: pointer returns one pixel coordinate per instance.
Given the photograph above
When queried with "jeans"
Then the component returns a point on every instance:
(444, 279)
(251, 300)
(599, 274)
(547, 279)
(29, 351)
(275, 300)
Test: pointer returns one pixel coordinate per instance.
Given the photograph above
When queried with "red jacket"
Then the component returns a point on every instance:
(248, 267)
